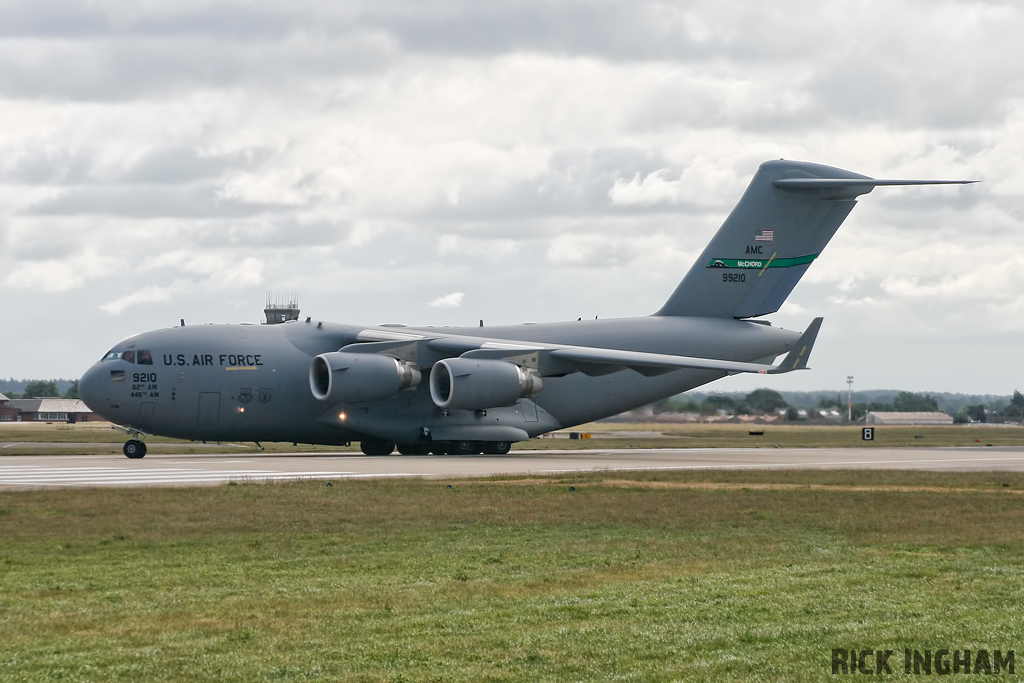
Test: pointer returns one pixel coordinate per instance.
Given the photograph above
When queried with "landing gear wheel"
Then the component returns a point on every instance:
(497, 447)
(134, 449)
(376, 447)
(414, 448)
(462, 447)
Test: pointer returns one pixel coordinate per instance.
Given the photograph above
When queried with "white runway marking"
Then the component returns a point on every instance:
(191, 462)
(29, 476)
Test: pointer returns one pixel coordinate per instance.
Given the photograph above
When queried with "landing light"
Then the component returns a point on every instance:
(342, 416)
(241, 410)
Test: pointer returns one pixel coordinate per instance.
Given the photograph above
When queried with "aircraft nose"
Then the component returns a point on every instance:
(89, 388)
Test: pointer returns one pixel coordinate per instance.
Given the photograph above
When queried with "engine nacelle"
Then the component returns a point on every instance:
(359, 377)
(477, 384)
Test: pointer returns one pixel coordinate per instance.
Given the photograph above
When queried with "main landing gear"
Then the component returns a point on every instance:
(471, 447)
(376, 447)
(134, 449)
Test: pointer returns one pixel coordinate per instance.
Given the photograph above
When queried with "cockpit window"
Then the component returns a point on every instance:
(142, 356)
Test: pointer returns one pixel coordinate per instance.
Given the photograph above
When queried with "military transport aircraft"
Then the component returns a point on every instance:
(479, 389)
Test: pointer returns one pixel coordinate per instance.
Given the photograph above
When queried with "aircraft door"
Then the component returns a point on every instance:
(209, 407)
(529, 410)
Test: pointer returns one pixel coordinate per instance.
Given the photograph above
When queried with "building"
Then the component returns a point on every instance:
(7, 414)
(907, 419)
(281, 308)
(828, 415)
(44, 410)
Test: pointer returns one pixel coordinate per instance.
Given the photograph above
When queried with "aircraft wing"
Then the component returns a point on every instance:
(597, 361)
(553, 359)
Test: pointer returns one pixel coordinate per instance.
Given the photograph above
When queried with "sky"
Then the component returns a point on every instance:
(450, 161)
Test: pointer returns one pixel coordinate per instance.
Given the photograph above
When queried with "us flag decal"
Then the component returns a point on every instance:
(765, 236)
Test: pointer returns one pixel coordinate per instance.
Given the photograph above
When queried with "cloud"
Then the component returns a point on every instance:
(658, 250)
(247, 273)
(61, 275)
(453, 300)
(146, 295)
(702, 184)
(150, 202)
(216, 270)
(653, 189)
(216, 274)
(496, 251)
(554, 160)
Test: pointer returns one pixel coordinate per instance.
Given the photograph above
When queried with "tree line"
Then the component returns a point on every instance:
(768, 401)
(44, 388)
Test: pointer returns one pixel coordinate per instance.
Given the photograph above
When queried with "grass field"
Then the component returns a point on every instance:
(103, 440)
(694, 575)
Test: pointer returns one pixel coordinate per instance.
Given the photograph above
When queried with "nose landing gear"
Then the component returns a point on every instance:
(134, 449)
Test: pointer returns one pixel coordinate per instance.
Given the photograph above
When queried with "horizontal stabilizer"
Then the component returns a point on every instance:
(827, 183)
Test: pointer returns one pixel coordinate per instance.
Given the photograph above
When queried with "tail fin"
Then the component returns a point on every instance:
(788, 214)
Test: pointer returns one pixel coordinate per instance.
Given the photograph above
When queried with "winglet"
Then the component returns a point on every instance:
(797, 357)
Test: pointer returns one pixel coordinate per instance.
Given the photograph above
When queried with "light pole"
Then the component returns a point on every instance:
(849, 398)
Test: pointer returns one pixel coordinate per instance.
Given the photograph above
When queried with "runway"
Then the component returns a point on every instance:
(168, 469)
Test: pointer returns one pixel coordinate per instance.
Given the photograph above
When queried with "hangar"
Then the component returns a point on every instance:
(881, 418)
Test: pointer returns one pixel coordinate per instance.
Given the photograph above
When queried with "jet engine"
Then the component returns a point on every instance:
(477, 384)
(359, 377)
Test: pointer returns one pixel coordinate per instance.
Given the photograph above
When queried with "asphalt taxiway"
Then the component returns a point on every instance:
(169, 469)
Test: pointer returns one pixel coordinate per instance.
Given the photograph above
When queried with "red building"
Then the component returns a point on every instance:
(7, 414)
(44, 410)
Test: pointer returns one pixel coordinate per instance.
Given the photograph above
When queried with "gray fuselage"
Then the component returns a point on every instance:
(251, 382)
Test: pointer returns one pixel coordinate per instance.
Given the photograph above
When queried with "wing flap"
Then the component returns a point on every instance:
(638, 360)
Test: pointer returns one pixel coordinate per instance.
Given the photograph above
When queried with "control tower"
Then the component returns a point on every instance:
(281, 307)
